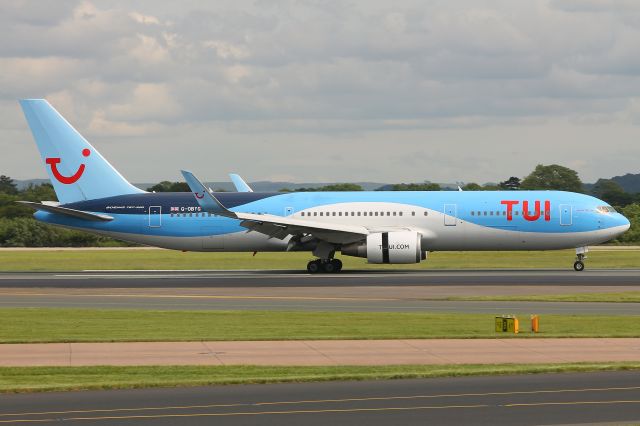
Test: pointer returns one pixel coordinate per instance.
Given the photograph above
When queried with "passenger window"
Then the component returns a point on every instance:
(320, 213)
(388, 213)
(352, 213)
(426, 213)
(315, 213)
(302, 214)
(472, 213)
(333, 214)
(339, 213)
(491, 212)
(413, 213)
(399, 213)
(394, 213)
(358, 213)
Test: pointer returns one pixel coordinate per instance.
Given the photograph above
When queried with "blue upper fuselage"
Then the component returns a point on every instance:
(182, 215)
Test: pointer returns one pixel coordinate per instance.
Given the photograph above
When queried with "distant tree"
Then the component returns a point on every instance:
(611, 192)
(342, 187)
(490, 187)
(553, 177)
(472, 186)
(7, 185)
(425, 186)
(605, 185)
(512, 183)
(42, 192)
(333, 187)
(631, 212)
(166, 186)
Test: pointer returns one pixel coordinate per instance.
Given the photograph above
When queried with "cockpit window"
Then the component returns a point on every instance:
(606, 209)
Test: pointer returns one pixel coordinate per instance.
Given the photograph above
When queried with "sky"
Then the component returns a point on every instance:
(329, 91)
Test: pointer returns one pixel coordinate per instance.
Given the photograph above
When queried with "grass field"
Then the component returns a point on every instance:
(620, 297)
(24, 325)
(58, 260)
(41, 379)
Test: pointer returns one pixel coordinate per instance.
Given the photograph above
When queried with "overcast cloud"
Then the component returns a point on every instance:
(329, 90)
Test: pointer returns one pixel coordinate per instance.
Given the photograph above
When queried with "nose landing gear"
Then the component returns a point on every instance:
(580, 256)
(330, 266)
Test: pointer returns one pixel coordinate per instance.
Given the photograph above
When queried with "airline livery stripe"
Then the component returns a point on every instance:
(385, 247)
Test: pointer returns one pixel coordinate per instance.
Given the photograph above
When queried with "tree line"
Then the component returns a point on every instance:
(19, 229)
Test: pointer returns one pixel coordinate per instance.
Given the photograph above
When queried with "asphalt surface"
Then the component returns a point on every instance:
(212, 279)
(586, 398)
(415, 291)
(212, 303)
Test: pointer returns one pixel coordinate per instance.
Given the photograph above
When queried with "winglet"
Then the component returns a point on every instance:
(239, 183)
(206, 199)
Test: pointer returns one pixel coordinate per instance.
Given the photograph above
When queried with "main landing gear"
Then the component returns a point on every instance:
(581, 255)
(329, 266)
(326, 262)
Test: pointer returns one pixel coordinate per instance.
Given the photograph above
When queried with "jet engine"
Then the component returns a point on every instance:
(388, 247)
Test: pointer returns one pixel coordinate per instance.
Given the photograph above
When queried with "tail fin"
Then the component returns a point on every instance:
(77, 170)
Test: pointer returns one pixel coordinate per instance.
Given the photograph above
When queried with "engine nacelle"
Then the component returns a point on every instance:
(388, 247)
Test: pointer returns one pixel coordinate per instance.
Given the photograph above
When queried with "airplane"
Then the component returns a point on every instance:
(392, 227)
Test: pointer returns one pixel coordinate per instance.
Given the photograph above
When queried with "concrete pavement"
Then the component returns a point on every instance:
(325, 352)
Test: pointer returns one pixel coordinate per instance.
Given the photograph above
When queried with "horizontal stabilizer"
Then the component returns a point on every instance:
(79, 214)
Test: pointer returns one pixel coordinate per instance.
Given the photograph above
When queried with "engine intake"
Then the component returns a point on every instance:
(388, 247)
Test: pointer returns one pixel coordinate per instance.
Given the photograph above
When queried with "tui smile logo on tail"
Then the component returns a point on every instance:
(199, 196)
(67, 180)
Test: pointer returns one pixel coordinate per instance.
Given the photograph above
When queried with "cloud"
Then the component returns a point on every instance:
(355, 77)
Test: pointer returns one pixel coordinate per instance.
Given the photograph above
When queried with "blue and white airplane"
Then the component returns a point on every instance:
(383, 227)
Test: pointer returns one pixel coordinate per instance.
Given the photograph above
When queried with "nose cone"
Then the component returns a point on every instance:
(619, 224)
(624, 223)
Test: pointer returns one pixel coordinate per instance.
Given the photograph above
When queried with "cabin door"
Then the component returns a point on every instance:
(155, 216)
(450, 214)
(566, 217)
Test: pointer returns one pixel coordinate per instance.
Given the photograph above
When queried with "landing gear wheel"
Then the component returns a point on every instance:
(329, 267)
(337, 265)
(578, 266)
(313, 267)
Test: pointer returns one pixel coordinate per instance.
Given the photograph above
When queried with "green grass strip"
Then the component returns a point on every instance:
(27, 325)
(620, 297)
(57, 260)
(40, 379)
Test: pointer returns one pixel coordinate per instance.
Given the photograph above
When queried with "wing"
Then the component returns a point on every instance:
(276, 226)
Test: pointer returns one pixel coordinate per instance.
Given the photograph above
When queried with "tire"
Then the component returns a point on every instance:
(313, 267)
(329, 267)
(578, 266)
(337, 264)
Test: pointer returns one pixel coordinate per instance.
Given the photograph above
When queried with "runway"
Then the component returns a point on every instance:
(612, 397)
(423, 291)
(212, 279)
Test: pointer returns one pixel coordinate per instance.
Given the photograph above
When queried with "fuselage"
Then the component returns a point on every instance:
(446, 220)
